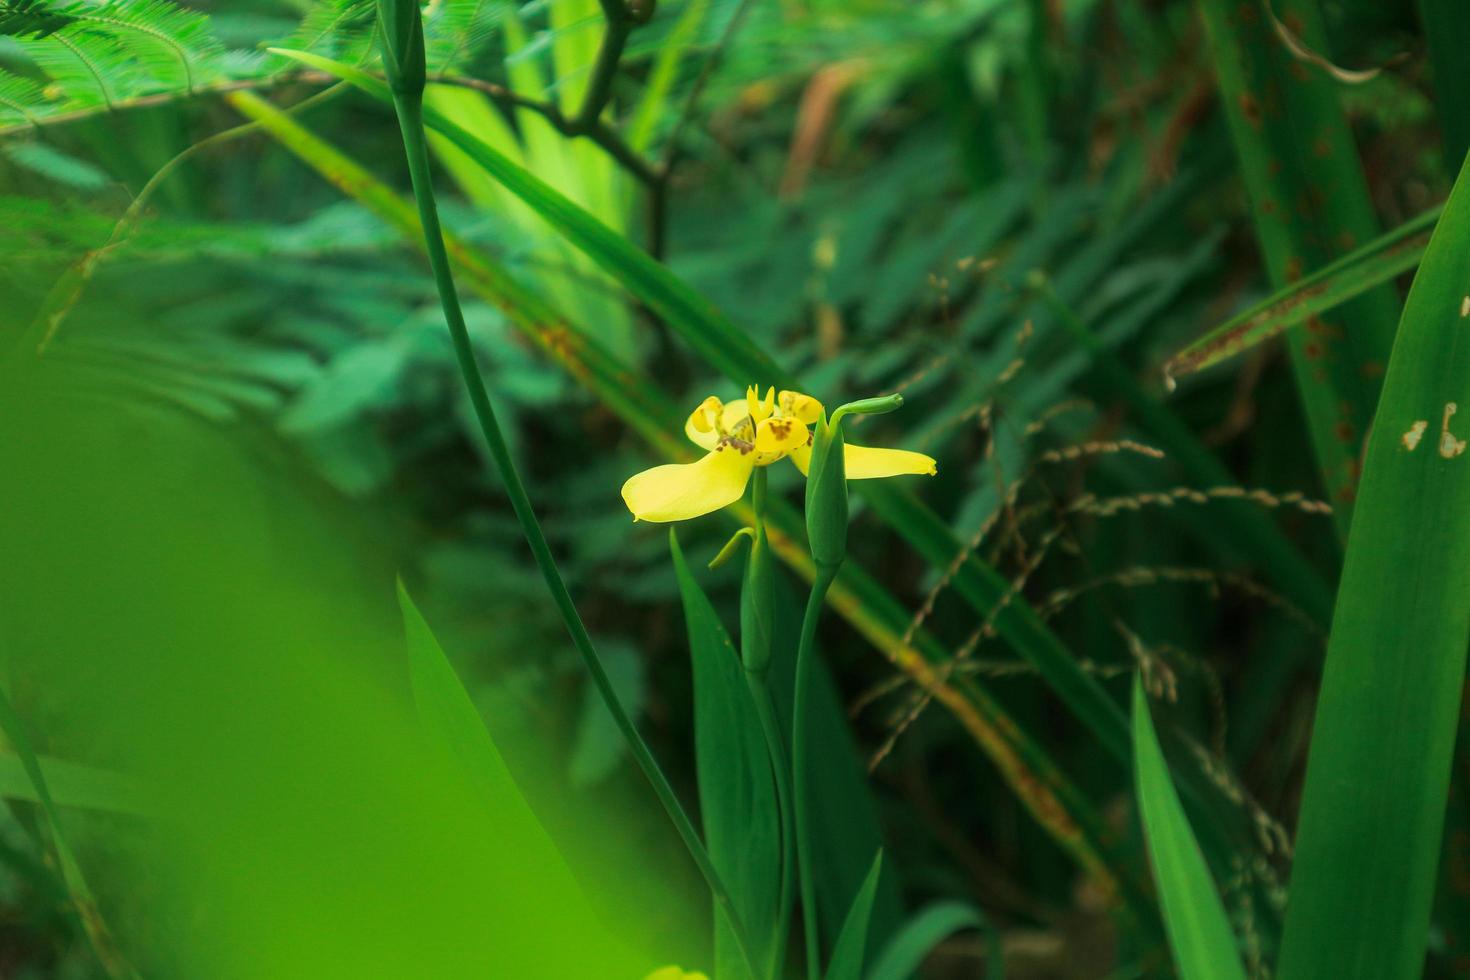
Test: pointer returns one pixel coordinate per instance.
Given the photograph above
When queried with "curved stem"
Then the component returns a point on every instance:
(805, 655)
(410, 119)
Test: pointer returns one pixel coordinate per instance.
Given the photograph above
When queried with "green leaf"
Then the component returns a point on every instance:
(1329, 287)
(930, 926)
(852, 942)
(1199, 931)
(1373, 804)
(737, 791)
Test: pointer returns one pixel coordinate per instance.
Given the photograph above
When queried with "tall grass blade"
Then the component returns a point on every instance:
(1199, 931)
(1373, 804)
(1376, 263)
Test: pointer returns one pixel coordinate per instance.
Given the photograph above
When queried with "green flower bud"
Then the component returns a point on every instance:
(826, 494)
(881, 405)
(402, 28)
(758, 607)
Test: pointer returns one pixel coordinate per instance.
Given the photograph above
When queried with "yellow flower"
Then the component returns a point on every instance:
(674, 973)
(739, 436)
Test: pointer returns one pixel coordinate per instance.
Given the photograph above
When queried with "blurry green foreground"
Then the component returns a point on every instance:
(173, 606)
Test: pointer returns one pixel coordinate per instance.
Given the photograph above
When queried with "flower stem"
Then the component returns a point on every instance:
(409, 109)
(758, 681)
(805, 655)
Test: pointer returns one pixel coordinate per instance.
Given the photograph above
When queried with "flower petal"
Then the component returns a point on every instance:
(869, 462)
(713, 419)
(757, 407)
(703, 425)
(680, 491)
(798, 406)
(778, 436)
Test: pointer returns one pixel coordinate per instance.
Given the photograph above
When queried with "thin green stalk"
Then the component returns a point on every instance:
(409, 110)
(805, 656)
(781, 765)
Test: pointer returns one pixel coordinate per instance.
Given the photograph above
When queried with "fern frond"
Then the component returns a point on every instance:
(339, 29)
(174, 46)
(183, 46)
(457, 28)
(87, 72)
(32, 18)
(21, 100)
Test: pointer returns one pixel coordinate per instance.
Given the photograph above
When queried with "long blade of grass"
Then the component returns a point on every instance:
(737, 792)
(1373, 803)
(1199, 931)
(1310, 203)
(1329, 287)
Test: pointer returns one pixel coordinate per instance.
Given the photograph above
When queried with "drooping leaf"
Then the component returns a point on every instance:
(1311, 295)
